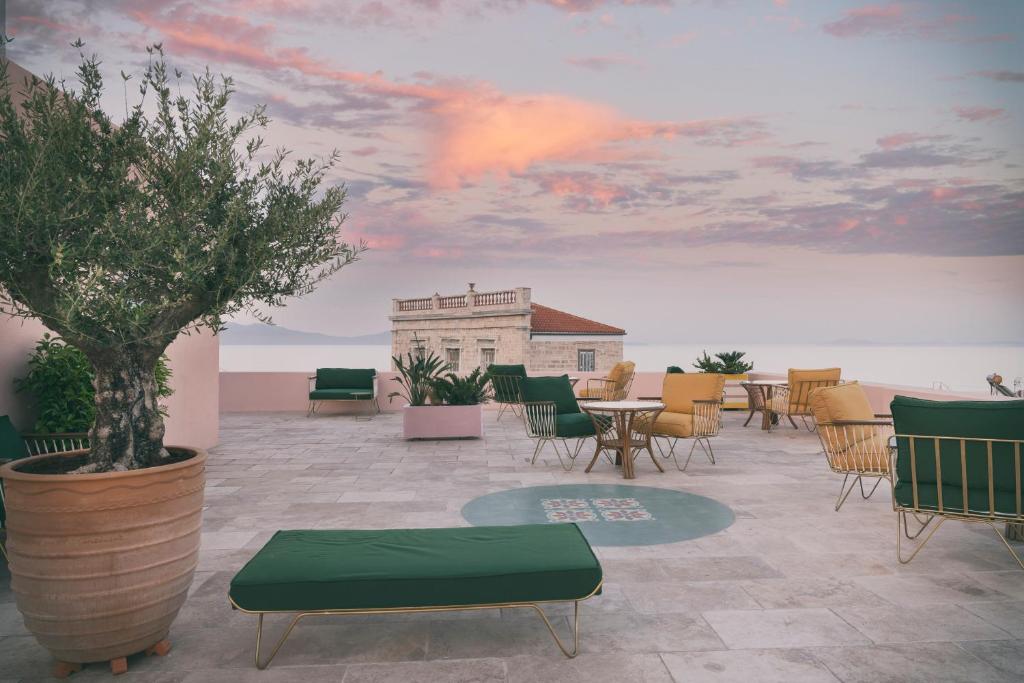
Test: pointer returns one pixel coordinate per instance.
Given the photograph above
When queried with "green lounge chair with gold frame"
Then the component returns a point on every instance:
(318, 573)
(343, 384)
(793, 399)
(15, 446)
(505, 380)
(957, 460)
(553, 416)
(854, 438)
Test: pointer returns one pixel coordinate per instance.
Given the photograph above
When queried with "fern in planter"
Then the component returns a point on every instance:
(452, 390)
(726, 363)
(417, 376)
(60, 381)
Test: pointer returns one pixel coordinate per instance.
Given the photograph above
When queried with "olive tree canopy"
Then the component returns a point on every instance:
(120, 237)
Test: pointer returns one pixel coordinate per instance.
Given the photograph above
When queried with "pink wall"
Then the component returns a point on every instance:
(289, 391)
(193, 416)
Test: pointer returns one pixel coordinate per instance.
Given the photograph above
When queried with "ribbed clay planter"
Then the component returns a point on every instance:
(101, 563)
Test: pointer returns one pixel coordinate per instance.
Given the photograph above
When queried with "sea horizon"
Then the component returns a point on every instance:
(943, 366)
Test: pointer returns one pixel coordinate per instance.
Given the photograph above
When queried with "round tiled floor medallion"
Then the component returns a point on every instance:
(607, 514)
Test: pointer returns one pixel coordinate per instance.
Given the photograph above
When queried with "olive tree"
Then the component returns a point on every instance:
(120, 237)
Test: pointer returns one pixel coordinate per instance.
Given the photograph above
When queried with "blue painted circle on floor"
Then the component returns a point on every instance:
(608, 514)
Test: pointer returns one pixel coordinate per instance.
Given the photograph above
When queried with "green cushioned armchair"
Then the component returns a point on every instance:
(342, 384)
(958, 460)
(553, 416)
(505, 383)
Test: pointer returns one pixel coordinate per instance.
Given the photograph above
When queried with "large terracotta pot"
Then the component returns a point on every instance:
(101, 563)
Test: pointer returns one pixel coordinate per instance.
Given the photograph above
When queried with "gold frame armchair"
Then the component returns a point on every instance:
(614, 387)
(854, 438)
(505, 386)
(957, 460)
(693, 410)
(552, 415)
(793, 399)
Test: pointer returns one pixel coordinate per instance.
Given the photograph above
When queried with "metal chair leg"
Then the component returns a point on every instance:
(902, 516)
(1007, 544)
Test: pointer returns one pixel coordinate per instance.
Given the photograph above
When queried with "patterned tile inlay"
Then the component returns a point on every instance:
(579, 509)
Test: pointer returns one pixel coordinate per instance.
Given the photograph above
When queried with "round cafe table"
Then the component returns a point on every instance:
(767, 388)
(623, 427)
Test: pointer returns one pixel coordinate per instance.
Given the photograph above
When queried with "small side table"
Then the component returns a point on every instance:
(623, 427)
(766, 389)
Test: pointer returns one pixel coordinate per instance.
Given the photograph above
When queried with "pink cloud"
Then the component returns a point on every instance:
(979, 113)
(604, 62)
(364, 151)
(896, 19)
(902, 139)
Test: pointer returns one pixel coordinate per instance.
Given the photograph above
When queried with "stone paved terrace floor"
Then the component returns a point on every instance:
(791, 592)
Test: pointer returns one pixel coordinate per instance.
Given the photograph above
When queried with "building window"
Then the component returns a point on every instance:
(486, 358)
(451, 356)
(585, 360)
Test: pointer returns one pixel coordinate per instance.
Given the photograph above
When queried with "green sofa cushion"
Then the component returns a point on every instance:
(513, 370)
(346, 569)
(574, 425)
(348, 394)
(555, 389)
(506, 390)
(977, 419)
(953, 498)
(345, 378)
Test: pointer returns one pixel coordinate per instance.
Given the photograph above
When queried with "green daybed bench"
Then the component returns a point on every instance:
(959, 460)
(342, 384)
(334, 572)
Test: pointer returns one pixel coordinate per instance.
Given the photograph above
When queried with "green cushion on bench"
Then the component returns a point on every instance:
(299, 571)
(345, 378)
(340, 394)
(975, 419)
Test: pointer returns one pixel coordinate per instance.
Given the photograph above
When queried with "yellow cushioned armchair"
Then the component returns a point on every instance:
(614, 387)
(794, 398)
(855, 439)
(693, 410)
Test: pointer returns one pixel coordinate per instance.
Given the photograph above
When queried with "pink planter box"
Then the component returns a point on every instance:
(442, 422)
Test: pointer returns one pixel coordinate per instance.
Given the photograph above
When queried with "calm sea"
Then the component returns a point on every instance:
(959, 368)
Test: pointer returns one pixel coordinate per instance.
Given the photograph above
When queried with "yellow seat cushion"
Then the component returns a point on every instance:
(617, 379)
(803, 382)
(680, 390)
(859, 448)
(673, 424)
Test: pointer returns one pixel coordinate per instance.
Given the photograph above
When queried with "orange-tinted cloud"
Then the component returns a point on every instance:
(979, 113)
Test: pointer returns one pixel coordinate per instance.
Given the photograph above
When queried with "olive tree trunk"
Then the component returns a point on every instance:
(129, 430)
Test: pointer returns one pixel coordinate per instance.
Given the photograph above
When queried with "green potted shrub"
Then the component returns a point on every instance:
(732, 365)
(120, 237)
(60, 385)
(440, 405)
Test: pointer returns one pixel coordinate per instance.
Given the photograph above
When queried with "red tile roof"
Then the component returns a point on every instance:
(550, 321)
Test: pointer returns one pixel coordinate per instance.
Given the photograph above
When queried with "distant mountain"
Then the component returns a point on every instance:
(274, 335)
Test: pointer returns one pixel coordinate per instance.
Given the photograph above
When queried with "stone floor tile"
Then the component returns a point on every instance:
(930, 623)
(1003, 655)
(910, 663)
(587, 669)
(810, 592)
(782, 628)
(1007, 615)
(450, 671)
(763, 666)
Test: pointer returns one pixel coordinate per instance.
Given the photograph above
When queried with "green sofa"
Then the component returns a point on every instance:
(320, 572)
(505, 383)
(343, 384)
(553, 415)
(958, 460)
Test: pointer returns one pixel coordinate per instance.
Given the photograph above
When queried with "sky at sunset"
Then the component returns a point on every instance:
(745, 170)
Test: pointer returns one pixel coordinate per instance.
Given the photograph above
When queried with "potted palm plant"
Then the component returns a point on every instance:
(735, 369)
(439, 405)
(119, 238)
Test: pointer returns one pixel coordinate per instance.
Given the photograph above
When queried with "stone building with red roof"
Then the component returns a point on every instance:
(476, 329)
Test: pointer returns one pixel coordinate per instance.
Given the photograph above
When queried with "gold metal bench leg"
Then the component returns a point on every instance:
(575, 630)
(1007, 544)
(901, 517)
(280, 642)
